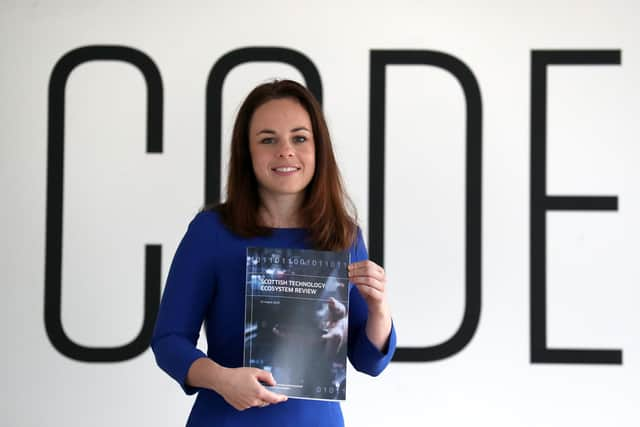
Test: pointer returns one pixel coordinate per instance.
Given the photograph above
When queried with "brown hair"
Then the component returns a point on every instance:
(326, 209)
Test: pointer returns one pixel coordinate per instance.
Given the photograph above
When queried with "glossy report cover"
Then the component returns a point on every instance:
(296, 313)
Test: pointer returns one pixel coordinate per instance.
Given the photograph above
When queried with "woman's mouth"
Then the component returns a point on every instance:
(285, 170)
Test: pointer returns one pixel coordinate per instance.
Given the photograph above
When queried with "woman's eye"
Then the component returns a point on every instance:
(267, 141)
(299, 138)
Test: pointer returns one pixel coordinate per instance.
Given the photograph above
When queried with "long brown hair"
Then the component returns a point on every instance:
(327, 211)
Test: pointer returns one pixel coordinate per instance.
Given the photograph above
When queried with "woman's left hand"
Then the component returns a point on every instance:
(371, 281)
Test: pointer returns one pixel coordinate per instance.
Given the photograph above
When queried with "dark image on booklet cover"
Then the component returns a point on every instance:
(296, 313)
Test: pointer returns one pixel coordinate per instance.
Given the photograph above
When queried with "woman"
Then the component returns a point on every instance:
(284, 190)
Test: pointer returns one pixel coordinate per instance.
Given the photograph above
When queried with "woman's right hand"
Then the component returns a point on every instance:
(241, 388)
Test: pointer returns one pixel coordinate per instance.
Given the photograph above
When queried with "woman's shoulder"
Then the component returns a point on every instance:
(206, 218)
(207, 225)
(210, 222)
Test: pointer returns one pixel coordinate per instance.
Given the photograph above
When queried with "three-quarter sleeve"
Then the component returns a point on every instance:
(364, 356)
(189, 288)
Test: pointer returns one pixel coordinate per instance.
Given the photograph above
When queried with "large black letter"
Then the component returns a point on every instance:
(473, 255)
(214, 101)
(541, 203)
(55, 186)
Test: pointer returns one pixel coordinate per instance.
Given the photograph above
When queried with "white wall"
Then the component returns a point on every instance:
(118, 198)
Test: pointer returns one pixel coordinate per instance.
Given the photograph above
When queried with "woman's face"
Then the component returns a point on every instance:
(282, 147)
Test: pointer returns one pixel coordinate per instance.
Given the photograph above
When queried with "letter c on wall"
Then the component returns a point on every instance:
(55, 186)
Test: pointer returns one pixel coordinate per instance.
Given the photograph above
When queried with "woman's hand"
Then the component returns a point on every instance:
(371, 281)
(240, 387)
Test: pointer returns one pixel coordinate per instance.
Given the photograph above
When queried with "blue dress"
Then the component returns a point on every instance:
(206, 283)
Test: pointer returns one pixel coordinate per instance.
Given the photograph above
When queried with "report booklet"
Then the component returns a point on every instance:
(296, 312)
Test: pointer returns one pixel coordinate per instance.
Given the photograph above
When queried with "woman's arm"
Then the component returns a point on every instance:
(189, 289)
(240, 387)
(371, 281)
(372, 337)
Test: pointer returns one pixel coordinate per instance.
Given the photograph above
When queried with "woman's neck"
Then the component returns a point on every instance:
(282, 211)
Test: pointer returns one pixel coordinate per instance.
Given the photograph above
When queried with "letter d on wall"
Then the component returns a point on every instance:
(379, 61)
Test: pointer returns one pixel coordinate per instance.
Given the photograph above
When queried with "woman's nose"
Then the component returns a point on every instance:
(286, 149)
